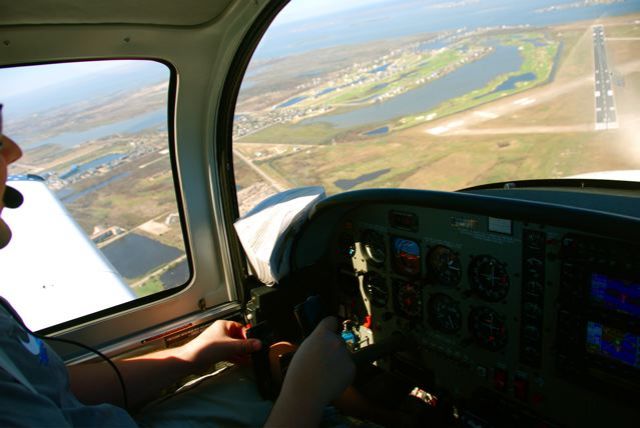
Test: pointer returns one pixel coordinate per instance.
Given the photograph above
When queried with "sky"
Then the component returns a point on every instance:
(299, 10)
(19, 80)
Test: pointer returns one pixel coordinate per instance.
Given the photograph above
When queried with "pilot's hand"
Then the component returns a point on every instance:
(319, 372)
(221, 341)
(322, 365)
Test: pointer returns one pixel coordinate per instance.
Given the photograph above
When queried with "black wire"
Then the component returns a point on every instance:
(19, 320)
(125, 399)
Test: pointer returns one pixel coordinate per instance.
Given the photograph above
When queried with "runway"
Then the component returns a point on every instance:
(606, 116)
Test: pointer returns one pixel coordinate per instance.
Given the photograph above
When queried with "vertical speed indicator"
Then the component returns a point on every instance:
(489, 278)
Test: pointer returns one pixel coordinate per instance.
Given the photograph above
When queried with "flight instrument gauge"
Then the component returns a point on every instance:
(444, 313)
(376, 289)
(444, 265)
(408, 297)
(374, 246)
(406, 256)
(489, 278)
(488, 328)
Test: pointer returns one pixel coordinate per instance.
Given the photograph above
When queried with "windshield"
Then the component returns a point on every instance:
(439, 95)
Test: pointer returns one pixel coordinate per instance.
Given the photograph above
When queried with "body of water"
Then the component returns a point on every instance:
(102, 160)
(136, 255)
(510, 83)
(379, 86)
(379, 69)
(292, 101)
(350, 183)
(134, 124)
(433, 45)
(475, 75)
(325, 91)
(378, 131)
(176, 276)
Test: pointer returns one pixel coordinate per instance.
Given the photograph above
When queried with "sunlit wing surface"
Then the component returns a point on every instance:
(52, 272)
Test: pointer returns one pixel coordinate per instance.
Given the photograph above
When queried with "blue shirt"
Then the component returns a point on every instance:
(48, 401)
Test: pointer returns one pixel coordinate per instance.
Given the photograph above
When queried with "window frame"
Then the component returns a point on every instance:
(214, 290)
(224, 151)
(171, 146)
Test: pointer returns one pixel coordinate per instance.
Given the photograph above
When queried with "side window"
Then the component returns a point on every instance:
(100, 224)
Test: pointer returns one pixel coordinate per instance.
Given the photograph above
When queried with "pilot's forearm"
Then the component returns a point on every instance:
(144, 378)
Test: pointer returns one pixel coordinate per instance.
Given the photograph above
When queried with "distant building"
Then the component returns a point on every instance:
(104, 235)
(172, 218)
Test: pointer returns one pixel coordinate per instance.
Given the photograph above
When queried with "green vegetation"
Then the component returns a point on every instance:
(418, 160)
(537, 60)
(415, 67)
(316, 133)
(146, 193)
(150, 286)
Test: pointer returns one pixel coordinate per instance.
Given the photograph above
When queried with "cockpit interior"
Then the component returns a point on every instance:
(518, 311)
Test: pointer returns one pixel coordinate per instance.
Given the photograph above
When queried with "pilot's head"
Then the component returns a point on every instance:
(9, 152)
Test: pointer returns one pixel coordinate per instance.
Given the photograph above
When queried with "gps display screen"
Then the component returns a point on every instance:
(616, 294)
(613, 344)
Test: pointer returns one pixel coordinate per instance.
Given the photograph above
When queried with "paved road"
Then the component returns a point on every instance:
(274, 183)
(585, 127)
(606, 115)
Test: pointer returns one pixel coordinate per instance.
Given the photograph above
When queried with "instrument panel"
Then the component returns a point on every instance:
(538, 319)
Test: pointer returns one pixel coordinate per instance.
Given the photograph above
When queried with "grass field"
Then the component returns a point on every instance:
(128, 202)
(449, 163)
(151, 286)
(317, 133)
(244, 175)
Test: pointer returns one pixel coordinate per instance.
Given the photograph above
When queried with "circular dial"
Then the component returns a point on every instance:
(444, 313)
(374, 246)
(444, 265)
(376, 289)
(406, 255)
(488, 328)
(489, 278)
(409, 299)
